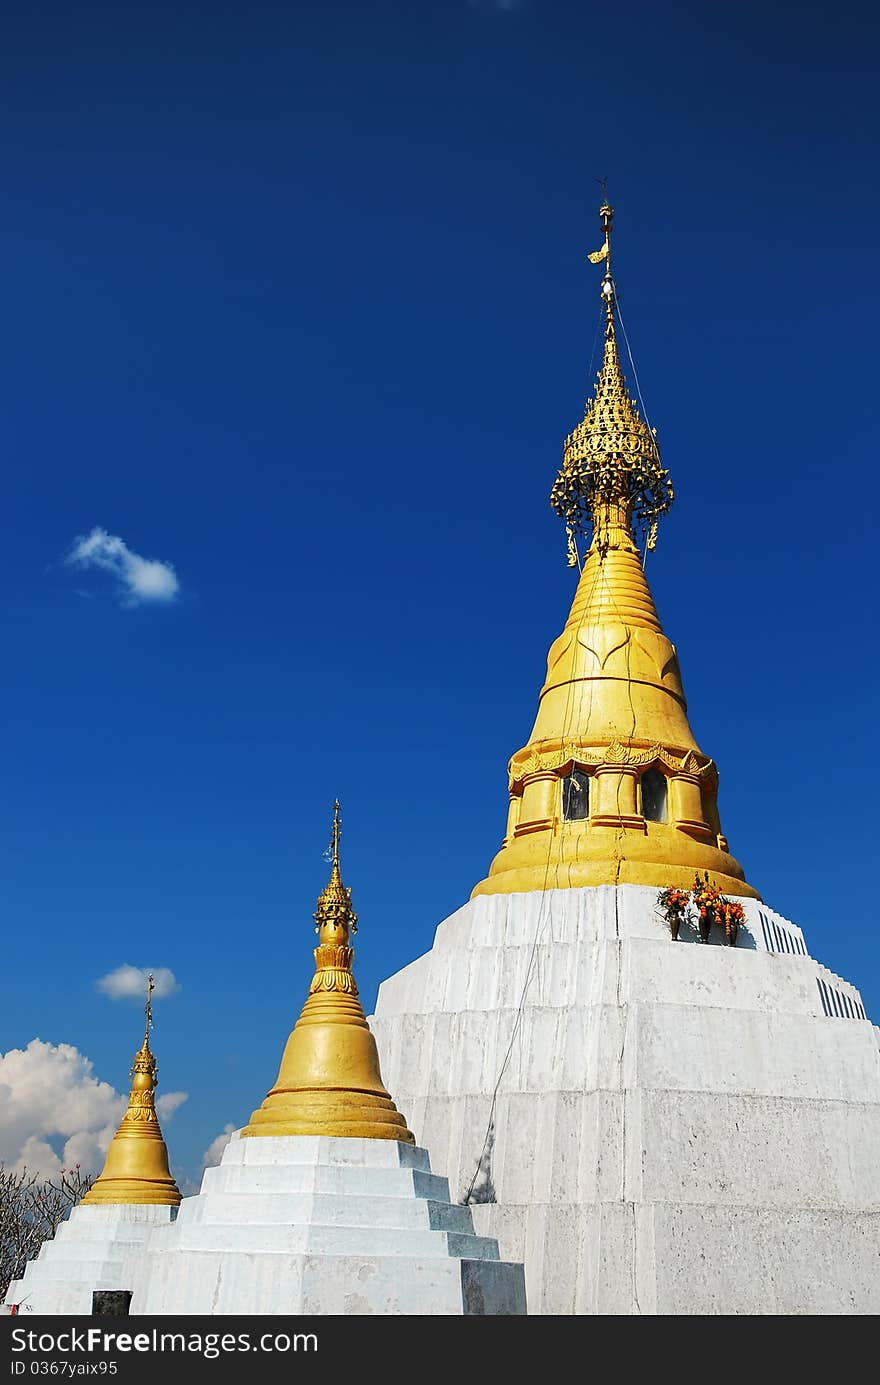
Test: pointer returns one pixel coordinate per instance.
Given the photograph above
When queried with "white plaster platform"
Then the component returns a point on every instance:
(678, 1128)
(89, 1251)
(323, 1225)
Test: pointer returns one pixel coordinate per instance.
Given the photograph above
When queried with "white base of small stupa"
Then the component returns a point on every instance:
(678, 1128)
(319, 1225)
(89, 1251)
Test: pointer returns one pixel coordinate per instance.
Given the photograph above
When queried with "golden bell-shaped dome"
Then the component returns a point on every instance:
(611, 786)
(136, 1167)
(329, 1081)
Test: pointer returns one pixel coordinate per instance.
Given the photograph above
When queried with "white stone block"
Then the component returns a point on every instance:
(652, 1089)
(90, 1250)
(307, 1225)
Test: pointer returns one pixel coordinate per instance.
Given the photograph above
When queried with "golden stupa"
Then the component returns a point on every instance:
(136, 1168)
(329, 1081)
(611, 787)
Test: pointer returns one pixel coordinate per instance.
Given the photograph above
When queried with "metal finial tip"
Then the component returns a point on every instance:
(334, 839)
(148, 1008)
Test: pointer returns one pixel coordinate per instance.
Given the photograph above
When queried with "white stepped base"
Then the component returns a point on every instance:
(89, 1251)
(679, 1128)
(313, 1225)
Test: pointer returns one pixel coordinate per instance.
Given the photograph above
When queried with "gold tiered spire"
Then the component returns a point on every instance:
(329, 1081)
(611, 474)
(612, 717)
(136, 1167)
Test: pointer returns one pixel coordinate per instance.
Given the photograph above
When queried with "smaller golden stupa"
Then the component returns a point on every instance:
(136, 1168)
(329, 1081)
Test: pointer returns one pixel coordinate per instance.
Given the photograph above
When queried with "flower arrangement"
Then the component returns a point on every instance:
(711, 907)
(714, 907)
(708, 898)
(675, 907)
(731, 915)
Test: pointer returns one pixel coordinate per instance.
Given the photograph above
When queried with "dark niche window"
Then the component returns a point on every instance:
(576, 795)
(654, 795)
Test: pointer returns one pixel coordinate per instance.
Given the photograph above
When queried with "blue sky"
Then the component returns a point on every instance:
(296, 309)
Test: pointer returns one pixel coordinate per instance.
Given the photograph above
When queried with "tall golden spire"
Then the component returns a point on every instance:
(611, 475)
(136, 1166)
(329, 1081)
(612, 787)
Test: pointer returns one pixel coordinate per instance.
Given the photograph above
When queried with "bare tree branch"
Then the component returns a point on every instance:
(32, 1208)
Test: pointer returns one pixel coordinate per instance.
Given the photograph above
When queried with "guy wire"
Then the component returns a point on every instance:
(543, 910)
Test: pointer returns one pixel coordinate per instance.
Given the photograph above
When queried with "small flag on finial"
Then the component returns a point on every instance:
(597, 256)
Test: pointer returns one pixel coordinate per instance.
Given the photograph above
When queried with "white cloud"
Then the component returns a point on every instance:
(214, 1152)
(55, 1113)
(168, 1103)
(128, 982)
(141, 579)
(50, 1090)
